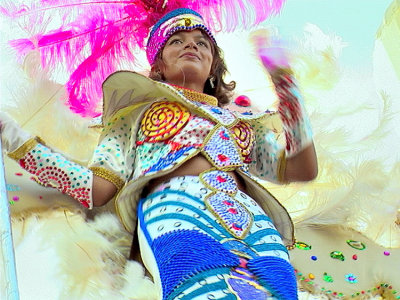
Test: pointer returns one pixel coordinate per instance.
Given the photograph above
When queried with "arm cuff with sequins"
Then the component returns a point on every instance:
(109, 176)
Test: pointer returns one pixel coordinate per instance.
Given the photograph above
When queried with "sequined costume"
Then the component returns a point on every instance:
(151, 129)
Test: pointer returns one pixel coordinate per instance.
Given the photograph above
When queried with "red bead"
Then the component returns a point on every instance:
(243, 100)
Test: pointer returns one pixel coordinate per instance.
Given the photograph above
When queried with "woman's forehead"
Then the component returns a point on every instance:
(197, 33)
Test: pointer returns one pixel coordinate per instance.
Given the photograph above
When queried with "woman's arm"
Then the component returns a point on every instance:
(52, 169)
(303, 166)
(103, 191)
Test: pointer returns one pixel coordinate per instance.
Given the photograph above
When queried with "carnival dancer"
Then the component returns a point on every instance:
(185, 172)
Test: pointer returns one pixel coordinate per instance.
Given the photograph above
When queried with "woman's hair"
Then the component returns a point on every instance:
(222, 90)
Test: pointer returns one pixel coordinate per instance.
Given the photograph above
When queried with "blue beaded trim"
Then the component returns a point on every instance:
(270, 247)
(276, 274)
(208, 288)
(196, 278)
(192, 220)
(182, 254)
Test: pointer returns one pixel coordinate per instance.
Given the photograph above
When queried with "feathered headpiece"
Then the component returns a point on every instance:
(95, 38)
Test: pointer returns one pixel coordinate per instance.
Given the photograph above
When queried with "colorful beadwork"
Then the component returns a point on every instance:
(219, 181)
(234, 216)
(221, 150)
(53, 170)
(196, 96)
(163, 120)
(303, 246)
(195, 132)
(337, 255)
(327, 278)
(244, 137)
(245, 286)
(223, 116)
(351, 278)
(177, 20)
(356, 244)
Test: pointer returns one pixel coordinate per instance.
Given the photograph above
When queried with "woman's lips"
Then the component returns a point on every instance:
(190, 54)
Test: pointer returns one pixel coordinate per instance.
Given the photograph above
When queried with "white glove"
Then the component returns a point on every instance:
(12, 135)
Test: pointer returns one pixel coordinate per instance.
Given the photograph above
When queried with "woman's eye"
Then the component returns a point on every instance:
(176, 41)
(202, 44)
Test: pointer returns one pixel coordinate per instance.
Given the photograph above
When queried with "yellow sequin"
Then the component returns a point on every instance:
(198, 97)
(163, 120)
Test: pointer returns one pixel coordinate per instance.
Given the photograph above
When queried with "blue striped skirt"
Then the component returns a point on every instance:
(202, 238)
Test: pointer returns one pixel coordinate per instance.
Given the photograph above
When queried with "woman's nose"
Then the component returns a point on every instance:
(191, 44)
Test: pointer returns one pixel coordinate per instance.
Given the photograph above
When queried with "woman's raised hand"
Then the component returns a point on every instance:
(270, 50)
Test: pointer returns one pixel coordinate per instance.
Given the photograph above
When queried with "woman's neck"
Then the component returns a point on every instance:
(190, 86)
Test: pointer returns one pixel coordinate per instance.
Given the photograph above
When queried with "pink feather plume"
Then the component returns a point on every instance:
(95, 37)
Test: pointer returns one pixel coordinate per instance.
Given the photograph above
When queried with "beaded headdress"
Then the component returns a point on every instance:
(181, 19)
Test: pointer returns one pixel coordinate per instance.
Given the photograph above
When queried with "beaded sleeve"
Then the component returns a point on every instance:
(114, 156)
(268, 159)
(52, 169)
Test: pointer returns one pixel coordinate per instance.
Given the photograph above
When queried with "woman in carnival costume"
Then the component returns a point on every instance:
(185, 172)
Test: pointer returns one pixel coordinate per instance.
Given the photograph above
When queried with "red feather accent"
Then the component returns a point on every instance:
(94, 38)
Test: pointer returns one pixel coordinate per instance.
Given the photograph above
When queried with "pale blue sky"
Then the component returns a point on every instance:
(356, 21)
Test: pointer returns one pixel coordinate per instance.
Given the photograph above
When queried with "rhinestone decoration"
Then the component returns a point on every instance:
(234, 216)
(351, 278)
(356, 244)
(303, 246)
(328, 278)
(219, 181)
(163, 120)
(337, 255)
(221, 149)
(223, 116)
(244, 137)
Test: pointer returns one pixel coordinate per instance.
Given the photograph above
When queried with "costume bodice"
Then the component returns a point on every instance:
(170, 134)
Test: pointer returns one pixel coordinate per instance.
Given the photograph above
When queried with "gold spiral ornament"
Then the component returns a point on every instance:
(163, 120)
(244, 137)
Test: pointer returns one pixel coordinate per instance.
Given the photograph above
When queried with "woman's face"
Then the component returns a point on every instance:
(187, 58)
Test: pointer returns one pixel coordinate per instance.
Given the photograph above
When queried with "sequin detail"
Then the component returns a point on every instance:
(221, 150)
(53, 170)
(219, 181)
(244, 284)
(223, 116)
(163, 120)
(244, 137)
(234, 216)
(194, 133)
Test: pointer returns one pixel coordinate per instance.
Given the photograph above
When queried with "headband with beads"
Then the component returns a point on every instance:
(181, 19)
